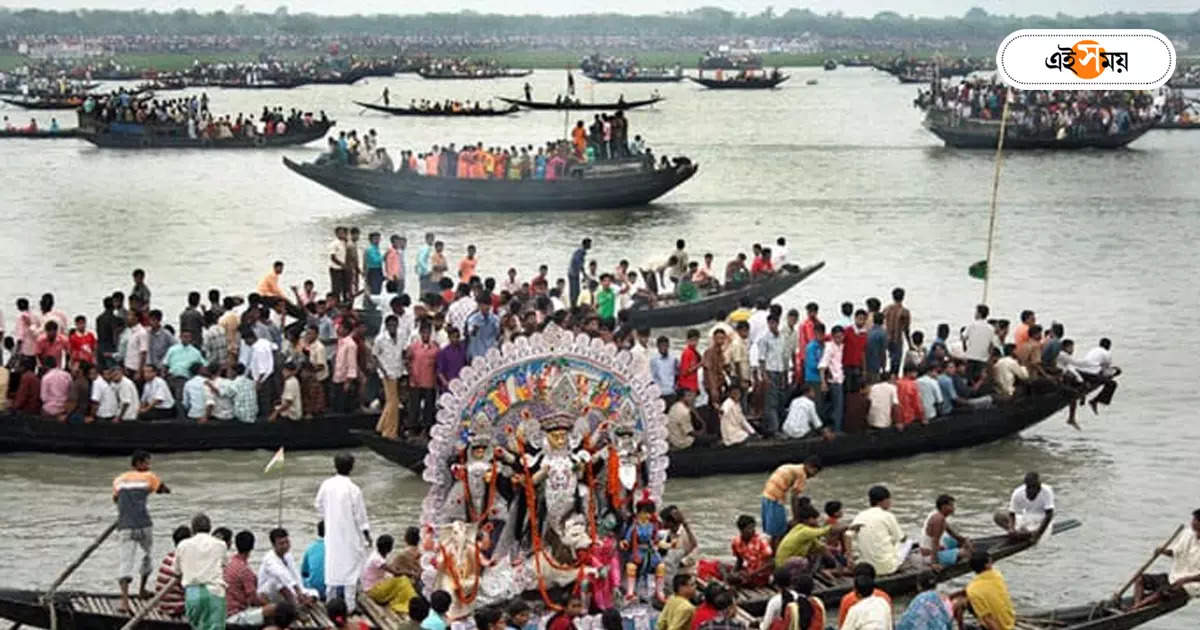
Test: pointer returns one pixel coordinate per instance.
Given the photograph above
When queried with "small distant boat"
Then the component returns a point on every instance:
(466, 112)
(483, 74)
(830, 64)
(44, 134)
(67, 102)
(260, 85)
(742, 83)
(637, 77)
(810, 82)
(669, 312)
(573, 106)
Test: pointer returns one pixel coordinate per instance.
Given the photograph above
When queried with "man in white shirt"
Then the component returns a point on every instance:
(278, 579)
(977, 341)
(157, 401)
(340, 504)
(461, 308)
(1185, 569)
(802, 418)
(138, 346)
(880, 541)
(200, 561)
(871, 612)
(1097, 367)
(389, 356)
(1030, 510)
(779, 253)
(126, 395)
(104, 398)
(260, 367)
(884, 403)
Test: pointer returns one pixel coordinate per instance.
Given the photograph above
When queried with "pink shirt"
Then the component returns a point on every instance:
(345, 362)
(28, 327)
(423, 374)
(373, 572)
(56, 385)
(393, 266)
(831, 359)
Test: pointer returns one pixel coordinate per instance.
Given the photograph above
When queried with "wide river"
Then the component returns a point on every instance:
(1102, 241)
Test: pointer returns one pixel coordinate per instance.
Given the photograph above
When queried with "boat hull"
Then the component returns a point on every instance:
(20, 433)
(516, 74)
(636, 78)
(975, 135)
(1099, 616)
(44, 104)
(581, 106)
(954, 431)
(109, 140)
(41, 134)
(708, 308)
(740, 84)
(466, 113)
(406, 191)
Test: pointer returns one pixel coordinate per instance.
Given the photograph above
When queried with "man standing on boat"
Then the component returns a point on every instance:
(425, 266)
(200, 561)
(1030, 510)
(575, 269)
(134, 528)
(347, 532)
(787, 478)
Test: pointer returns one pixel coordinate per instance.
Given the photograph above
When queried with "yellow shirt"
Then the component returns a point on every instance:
(799, 542)
(787, 477)
(676, 614)
(988, 595)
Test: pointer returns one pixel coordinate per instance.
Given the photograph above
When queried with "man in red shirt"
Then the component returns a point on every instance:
(854, 351)
(82, 342)
(422, 380)
(910, 398)
(689, 363)
(243, 605)
(52, 344)
(762, 265)
(808, 332)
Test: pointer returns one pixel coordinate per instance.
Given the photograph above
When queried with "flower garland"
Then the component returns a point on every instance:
(452, 568)
(491, 492)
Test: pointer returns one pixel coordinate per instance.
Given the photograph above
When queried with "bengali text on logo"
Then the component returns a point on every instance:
(1085, 59)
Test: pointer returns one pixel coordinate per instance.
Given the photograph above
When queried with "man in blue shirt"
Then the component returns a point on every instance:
(575, 270)
(483, 328)
(812, 360)
(664, 369)
(876, 346)
(312, 567)
(373, 264)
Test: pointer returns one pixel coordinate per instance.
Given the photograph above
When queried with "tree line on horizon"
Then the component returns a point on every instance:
(975, 24)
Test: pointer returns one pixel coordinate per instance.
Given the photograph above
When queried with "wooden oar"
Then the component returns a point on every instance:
(151, 605)
(48, 598)
(1157, 553)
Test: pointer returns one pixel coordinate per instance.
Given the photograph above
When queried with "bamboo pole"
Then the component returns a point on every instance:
(151, 605)
(48, 598)
(987, 275)
(1157, 553)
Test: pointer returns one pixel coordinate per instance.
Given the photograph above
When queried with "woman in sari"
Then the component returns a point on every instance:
(929, 610)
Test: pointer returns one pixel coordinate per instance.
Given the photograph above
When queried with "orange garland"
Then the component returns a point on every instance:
(491, 494)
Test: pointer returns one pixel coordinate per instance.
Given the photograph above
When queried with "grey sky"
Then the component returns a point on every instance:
(560, 7)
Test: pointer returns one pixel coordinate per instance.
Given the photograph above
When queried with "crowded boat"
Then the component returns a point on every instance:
(122, 112)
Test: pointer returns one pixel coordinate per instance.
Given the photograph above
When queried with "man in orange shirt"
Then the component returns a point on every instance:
(1021, 334)
(852, 598)
(910, 398)
(269, 285)
(466, 267)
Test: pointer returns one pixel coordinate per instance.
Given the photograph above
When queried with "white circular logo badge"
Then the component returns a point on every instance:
(1085, 59)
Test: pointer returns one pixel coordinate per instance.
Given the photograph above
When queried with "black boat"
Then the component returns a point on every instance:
(961, 429)
(261, 85)
(983, 134)
(40, 134)
(636, 77)
(669, 312)
(48, 102)
(19, 433)
(904, 582)
(444, 113)
(134, 136)
(483, 74)
(831, 64)
(1101, 615)
(573, 106)
(99, 611)
(743, 83)
(598, 186)
(1170, 124)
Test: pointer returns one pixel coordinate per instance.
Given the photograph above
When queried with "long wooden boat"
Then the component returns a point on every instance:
(70, 102)
(20, 433)
(649, 77)
(262, 85)
(40, 134)
(983, 134)
(598, 187)
(1165, 124)
(98, 611)
(1100, 615)
(131, 136)
(573, 106)
(489, 74)
(672, 313)
(902, 583)
(748, 83)
(463, 113)
(963, 429)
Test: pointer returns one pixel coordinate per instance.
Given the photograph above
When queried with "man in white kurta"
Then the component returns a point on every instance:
(347, 532)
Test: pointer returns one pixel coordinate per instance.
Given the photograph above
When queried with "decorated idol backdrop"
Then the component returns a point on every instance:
(545, 465)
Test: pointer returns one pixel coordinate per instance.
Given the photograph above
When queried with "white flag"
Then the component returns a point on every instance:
(276, 460)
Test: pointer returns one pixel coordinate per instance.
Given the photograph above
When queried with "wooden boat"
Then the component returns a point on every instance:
(69, 102)
(638, 77)
(134, 136)
(42, 134)
(748, 83)
(573, 106)
(830, 64)
(1176, 125)
(262, 85)
(602, 186)
(486, 74)
(465, 113)
(983, 134)
(1098, 616)
(904, 582)
(669, 312)
(20, 433)
(98, 611)
(962, 429)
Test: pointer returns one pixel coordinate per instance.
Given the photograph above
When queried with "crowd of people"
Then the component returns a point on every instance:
(192, 116)
(624, 66)
(32, 127)
(606, 139)
(1061, 113)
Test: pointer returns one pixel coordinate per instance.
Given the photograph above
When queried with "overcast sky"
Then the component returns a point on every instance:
(561, 7)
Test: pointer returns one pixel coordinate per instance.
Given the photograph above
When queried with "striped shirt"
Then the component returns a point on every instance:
(786, 477)
(130, 489)
(171, 603)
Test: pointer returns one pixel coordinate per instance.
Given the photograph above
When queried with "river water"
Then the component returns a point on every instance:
(1102, 241)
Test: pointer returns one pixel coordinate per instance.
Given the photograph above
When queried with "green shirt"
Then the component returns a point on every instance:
(179, 359)
(676, 614)
(606, 303)
(686, 291)
(799, 542)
